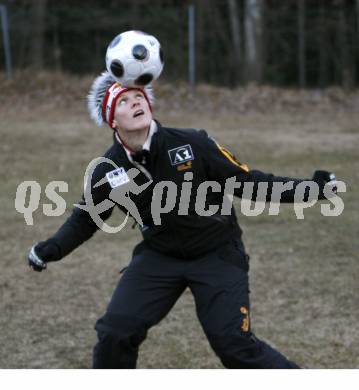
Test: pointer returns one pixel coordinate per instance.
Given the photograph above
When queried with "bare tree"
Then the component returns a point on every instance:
(345, 60)
(301, 43)
(236, 37)
(201, 41)
(253, 40)
(322, 46)
(38, 17)
(57, 51)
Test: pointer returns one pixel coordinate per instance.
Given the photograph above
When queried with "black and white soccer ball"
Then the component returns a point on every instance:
(134, 58)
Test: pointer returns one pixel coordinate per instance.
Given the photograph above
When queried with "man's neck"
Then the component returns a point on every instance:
(133, 140)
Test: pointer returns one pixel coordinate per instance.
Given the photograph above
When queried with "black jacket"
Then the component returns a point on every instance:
(173, 153)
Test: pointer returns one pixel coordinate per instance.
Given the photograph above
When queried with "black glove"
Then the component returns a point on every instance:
(324, 177)
(42, 253)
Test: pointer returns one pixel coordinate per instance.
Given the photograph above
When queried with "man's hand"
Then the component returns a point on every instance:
(42, 253)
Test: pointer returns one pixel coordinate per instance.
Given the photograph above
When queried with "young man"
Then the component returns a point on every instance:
(202, 251)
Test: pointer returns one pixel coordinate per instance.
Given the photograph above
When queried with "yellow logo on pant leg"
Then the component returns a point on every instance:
(245, 323)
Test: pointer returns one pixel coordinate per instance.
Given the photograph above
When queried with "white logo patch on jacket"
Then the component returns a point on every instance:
(181, 154)
(117, 177)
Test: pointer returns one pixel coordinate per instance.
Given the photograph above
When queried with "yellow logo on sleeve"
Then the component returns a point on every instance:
(245, 323)
(229, 156)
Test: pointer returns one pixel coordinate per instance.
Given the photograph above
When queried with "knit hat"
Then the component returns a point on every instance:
(103, 95)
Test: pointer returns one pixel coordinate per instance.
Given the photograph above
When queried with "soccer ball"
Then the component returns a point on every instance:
(134, 58)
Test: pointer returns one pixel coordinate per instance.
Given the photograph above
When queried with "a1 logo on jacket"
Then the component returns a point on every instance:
(181, 154)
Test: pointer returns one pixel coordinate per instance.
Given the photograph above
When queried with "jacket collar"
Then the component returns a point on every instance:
(146, 145)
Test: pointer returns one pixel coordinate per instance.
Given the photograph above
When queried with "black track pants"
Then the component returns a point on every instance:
(151, 285)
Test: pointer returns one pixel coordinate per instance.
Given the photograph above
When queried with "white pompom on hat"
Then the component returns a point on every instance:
(103, 95)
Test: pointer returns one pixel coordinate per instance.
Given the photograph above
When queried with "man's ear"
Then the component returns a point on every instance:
(114, 124)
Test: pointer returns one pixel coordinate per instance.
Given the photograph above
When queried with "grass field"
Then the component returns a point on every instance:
(304, 273)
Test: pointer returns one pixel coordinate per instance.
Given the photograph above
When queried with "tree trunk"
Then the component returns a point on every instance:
(201, 42)
(323, 47)
(38, 37)
(57, 52)
(357, 42)
(345, 63)
(253, 40)
(212, 38)
(223, 46)
(301, 44)
(236, 38)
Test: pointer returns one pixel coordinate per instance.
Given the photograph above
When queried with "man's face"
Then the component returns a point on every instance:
(132, 112)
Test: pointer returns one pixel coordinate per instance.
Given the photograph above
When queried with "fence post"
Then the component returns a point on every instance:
(191, 46)
(6, 40)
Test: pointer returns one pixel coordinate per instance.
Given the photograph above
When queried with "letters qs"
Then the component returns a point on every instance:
(34, 189)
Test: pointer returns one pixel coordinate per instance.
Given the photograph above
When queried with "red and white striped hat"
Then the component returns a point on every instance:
(103, 95)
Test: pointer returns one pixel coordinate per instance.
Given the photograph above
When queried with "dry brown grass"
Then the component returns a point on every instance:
(304, 274)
